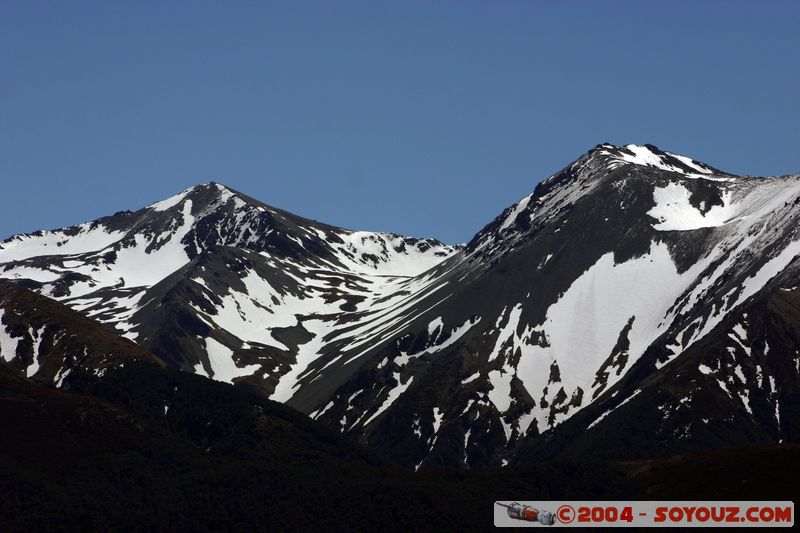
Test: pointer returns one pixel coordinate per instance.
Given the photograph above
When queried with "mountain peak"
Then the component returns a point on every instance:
(554, 195)
(205, 193)
(649, 155)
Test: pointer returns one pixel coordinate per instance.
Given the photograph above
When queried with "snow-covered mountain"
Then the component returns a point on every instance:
(218, 283)
(620, 284)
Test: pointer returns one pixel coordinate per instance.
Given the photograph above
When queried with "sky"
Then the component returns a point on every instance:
(420, 118)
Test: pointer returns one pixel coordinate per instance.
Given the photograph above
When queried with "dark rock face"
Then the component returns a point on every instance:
(634, 289)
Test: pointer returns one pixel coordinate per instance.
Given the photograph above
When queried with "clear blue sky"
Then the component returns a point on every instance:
(423, 118)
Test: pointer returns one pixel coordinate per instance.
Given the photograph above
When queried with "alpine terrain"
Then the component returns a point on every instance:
(637, 303)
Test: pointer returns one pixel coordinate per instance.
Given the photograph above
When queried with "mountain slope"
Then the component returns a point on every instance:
(611, 273)
(76, 462)
(738, 386)
(47, 342)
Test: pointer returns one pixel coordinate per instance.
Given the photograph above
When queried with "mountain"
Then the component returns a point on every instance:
(146, 446)
(635, 287)
(213, 281)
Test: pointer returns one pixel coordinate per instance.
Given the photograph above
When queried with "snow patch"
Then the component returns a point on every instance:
(37, 341)
(394, 394)
(163, 205)
(500, 394)
(605, 414)
(8, 344)
(437, 419)
(675, 212)
(515, 211)
(471, 378)
(223, 367)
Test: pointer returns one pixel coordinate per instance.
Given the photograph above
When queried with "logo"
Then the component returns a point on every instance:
(527, 513)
